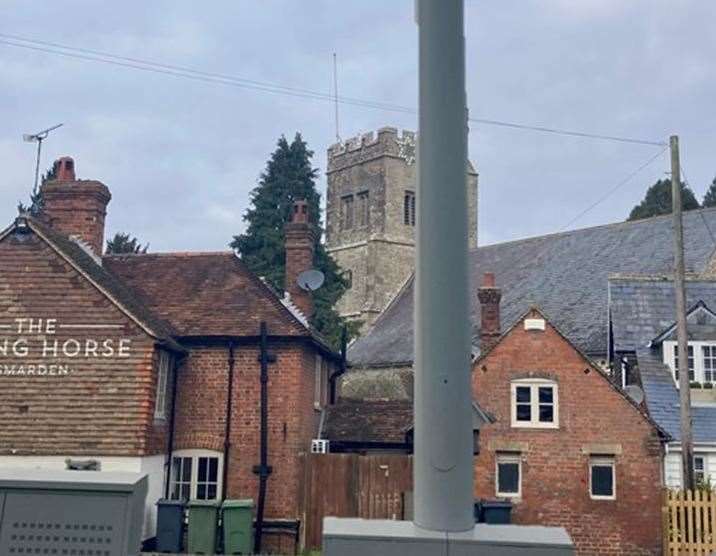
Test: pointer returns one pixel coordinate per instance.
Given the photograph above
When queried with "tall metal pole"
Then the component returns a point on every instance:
(687, 442)
(37, 166)
(443, 460)
(335, 95)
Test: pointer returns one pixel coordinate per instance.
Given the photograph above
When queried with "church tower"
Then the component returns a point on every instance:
(370, 217)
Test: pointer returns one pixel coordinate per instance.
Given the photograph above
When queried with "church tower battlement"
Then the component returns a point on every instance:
(370, 217)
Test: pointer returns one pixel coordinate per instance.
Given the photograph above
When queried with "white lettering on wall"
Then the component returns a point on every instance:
(32, 339)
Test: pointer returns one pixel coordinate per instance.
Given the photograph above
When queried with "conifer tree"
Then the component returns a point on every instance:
(710, 197)
(125, 244)
(37, 203)
(658, 201)
(289, 177)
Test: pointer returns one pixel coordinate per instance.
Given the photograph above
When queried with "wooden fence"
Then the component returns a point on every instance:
(351, 485)
(689, 522)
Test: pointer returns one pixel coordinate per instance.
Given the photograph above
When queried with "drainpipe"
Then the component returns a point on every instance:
(227, 428)
(172, 417)
(342, 368)
(263, 470)
(443, 461)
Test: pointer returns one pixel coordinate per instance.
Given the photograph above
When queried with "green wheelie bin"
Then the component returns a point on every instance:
(238, 525)
(201, 538)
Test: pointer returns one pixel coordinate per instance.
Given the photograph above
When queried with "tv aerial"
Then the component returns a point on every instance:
(310, 280)
(38, 138)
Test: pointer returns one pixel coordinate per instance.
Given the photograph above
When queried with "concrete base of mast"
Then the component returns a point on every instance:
(354, 537)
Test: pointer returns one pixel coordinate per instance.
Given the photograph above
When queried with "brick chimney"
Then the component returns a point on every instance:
(75, 207)
(489, 296)
(300, 241)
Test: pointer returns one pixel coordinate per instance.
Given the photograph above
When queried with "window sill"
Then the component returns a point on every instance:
(603, 498)
(525, 425)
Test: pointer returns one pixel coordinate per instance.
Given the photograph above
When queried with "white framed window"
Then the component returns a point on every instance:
(163, 372)
(602, 478)
(700, 474)
(708, 353)
(535, 403)
(196, 475)
(508, 475)
(701, 358)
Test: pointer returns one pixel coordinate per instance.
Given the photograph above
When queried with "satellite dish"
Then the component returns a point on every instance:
(635, 393)
(310, 280)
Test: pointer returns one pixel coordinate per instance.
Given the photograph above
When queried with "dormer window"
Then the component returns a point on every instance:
(692, 371)
(702, 361)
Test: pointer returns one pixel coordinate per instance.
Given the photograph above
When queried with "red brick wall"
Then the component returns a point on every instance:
(201, 421)
(104, 405)
(555, 480)
(77, 208)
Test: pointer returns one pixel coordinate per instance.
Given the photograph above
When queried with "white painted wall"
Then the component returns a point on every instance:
(153, 466)
(672, 464)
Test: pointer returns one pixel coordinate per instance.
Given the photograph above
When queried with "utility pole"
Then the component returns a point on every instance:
(443, 461)
(687, 441)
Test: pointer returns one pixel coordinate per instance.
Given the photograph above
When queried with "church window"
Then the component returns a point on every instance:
(363, 209)
(347, 212)
(409, 208)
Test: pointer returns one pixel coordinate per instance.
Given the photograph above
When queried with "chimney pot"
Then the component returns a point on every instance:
(299, 214)
(75, 207)
(489, 295)
(65, 169)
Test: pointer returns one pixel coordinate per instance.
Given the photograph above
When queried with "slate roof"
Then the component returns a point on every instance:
(377, 421)
(642, 308)
(205, 294)
(565, 274)
(662, 400)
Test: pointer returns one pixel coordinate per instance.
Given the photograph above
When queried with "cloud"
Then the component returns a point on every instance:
(181, 156)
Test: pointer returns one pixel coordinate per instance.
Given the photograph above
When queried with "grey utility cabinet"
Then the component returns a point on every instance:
(71, 512)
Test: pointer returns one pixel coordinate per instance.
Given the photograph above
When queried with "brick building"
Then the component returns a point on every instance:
(370, 217)
(134, 362)
(557, 436)
(566, 445)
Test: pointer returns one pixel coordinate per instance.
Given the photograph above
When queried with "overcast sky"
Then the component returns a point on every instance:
(181, 156)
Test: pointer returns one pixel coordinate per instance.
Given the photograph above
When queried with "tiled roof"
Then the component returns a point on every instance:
(380, 421)
(177, 295)
(368, 421)
(205, 294)
(565, 274)
(106, 281)
(641, 309)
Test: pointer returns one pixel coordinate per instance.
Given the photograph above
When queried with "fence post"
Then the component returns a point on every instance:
(665, 521)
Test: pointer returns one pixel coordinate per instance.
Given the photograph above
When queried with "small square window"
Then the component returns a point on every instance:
(534, 403)
(508, 479)
(602, 478)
